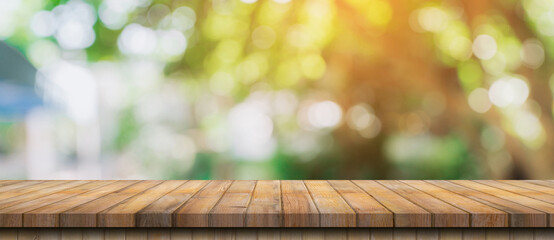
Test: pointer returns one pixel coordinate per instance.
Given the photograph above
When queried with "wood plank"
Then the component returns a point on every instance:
(8, 234)
(497, 234)
(181, 233)
(299, 209)
(18, 185)
(520, 216)
(13, 216)
(428, 233)
(50, 234)
(49, 215)
(510, 196)
(246, 234)
(404, 234)
(359, 234)
(450, 234)
(123, 214)
(230, 211)
(269, 234)
(194, 213)
(313, 234)
(474, 234)
(224, 234)
(27, 234)
(93, 234)
(25, 187)
(85, 215)
(9, 182)
(137, 233)
(114, 234)
(160, 212)
(481, 215)
(521, 234)
(544, 234)
(44, 191)
(203, 234)
(406, 214)
(529, 185)
(545, 197)
(381, 234)
(545, 183)
(333, 210)
(72, 234)
(369, 212)
(291, 234)
(443, 214)
(156, 234)
(265, 206)
(335, 234)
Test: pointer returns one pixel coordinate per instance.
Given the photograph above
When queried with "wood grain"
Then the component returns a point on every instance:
(443, 214)
(160, 212)
(545, 197)
(85, 215)
(265, 206)
(8, 193)
(514, 197)
(369, 212)
(49, 215)
(123, 214)
(12, 216)
(481, 215)
(230, 211)
(299, 209)
(545, 183)
(333, 210)
(194, 213)
(406, 213)
(530, 185)
(520, 216)
(274, 203)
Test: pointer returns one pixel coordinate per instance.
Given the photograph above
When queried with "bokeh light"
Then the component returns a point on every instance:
(244, 89)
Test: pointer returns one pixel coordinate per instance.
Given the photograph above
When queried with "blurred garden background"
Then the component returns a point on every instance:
(276, 89)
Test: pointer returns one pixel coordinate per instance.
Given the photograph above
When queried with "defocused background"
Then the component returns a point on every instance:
(276, 89)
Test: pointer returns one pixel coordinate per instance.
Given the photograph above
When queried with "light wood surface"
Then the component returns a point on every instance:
(274, 203)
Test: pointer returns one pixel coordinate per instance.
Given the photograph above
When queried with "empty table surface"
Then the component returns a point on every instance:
(275, 203)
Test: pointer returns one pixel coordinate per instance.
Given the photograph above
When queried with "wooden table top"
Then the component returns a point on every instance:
(273, 203)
